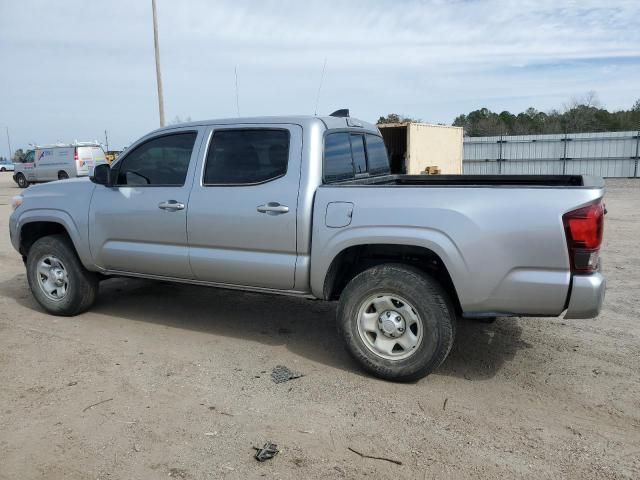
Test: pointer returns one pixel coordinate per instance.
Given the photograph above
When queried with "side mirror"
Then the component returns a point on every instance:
(101, 174)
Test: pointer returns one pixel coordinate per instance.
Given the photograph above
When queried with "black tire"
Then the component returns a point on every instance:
(62, 175)
(21, 180)
(428, 300)
(82, 286)
(3, 169)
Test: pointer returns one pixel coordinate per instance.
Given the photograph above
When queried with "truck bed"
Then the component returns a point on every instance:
(477, 181)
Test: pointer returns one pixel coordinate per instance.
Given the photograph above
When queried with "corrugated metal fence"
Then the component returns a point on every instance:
(604, 154)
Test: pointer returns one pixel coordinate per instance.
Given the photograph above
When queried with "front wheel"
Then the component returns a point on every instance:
(58, 281)
(397, 322)
(21, 180)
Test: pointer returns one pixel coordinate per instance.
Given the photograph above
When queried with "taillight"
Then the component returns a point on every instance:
(583, 228)
(75, 154)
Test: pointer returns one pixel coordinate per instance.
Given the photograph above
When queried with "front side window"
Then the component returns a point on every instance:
(29, 157)
(248, 156)
(159, 161)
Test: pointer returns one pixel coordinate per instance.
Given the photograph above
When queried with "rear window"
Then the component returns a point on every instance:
(347, 154)
(338, 164)
(377, 155)
(359, 157)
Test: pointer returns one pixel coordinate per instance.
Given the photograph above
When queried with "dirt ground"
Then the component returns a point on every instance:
(179, 380)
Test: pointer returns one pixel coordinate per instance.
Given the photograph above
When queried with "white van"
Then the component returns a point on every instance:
(57, 162)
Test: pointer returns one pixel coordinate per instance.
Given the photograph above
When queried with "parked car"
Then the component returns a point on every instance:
(305, 206)
(58, 162)
(6, 166)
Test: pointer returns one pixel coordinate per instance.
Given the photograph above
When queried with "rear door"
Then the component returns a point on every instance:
(139, 225)
(242, 214)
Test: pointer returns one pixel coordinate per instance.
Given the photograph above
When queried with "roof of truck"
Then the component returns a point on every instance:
(303, 120)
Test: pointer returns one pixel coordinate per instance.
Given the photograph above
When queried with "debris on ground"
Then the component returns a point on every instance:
(267, 452)
(178, 473)
(96, 404)
(281, 374)
(444, 405)
(397, 462)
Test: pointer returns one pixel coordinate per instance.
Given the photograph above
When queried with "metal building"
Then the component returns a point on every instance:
(604, 154)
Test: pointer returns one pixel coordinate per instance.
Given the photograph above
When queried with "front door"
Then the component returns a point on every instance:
(139, 225)
(242, 211)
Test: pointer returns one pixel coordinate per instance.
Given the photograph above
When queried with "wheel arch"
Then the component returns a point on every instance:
(36, 224)
(354, 259)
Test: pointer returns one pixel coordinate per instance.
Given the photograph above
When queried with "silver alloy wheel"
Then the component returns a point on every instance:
(389, 326)
(52, 277)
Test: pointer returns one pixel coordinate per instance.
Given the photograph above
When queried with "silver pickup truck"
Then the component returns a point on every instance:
(307, 206)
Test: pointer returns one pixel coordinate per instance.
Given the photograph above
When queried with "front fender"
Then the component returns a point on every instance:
(77, 233)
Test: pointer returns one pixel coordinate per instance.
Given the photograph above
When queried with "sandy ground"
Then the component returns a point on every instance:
(184, 377)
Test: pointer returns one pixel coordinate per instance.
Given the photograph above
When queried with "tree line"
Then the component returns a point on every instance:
(584, 114)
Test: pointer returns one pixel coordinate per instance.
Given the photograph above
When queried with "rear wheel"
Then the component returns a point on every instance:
(2, 169)
(62, 175)
(58, 281)
(21, 181)
(397, 322)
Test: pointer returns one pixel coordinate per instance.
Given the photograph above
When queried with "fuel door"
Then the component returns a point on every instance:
(338, 214)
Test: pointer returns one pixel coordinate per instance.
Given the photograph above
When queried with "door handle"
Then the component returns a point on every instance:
(171, 205)
(273, 208)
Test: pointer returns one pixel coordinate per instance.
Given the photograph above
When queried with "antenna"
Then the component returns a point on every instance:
(237, 93)
(324, 66)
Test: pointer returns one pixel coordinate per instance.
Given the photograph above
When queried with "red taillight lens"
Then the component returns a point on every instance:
(583, 228)
(75, 155)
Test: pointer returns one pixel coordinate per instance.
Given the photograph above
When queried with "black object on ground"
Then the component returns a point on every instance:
(281, 374)
(267, 452)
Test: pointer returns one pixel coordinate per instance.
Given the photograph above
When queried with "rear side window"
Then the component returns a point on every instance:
(249, 156)
(159, 161)
(338, 164)
(377, 155)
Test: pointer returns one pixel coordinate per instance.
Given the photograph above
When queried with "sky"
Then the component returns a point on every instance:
(69, 70)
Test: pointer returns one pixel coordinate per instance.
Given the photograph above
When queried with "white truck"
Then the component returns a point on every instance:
(58, 162)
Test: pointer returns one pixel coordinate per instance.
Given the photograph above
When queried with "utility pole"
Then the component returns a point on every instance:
(9, 142)
(158, 74)
(106, 140)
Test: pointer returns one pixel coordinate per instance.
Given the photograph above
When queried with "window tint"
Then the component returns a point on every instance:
(338, 164)
(377, 155)
(359, 157)
(246, 156)
(160, 161)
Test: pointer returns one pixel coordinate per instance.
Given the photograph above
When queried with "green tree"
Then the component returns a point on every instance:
(395, 118)
(583, 114)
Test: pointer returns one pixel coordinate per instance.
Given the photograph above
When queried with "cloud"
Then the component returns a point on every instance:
(77, 68)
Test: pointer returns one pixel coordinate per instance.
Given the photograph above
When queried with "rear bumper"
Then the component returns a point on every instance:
(587, 295)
